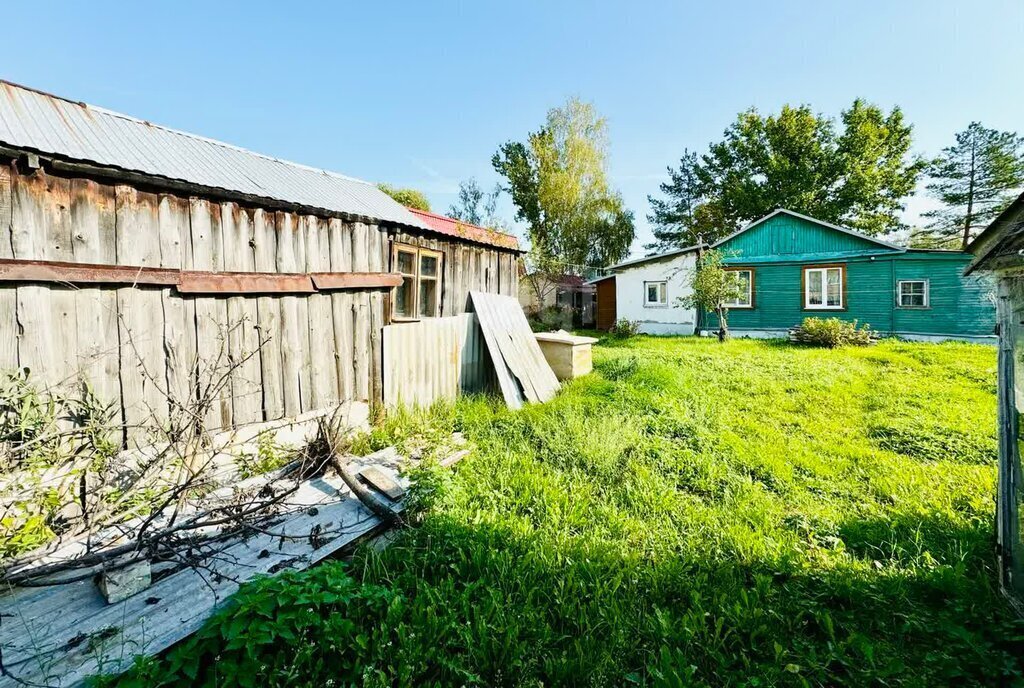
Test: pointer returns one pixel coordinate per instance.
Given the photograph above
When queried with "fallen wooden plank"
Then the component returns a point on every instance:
(60, 635)
(382, 482)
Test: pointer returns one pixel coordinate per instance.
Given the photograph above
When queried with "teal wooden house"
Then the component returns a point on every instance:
(794, 267)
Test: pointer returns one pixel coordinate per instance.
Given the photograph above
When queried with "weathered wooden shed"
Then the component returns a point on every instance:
(145, 259)
(999, 250)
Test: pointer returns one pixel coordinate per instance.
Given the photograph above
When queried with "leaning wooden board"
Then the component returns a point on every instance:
(61, 635)
(523, 372)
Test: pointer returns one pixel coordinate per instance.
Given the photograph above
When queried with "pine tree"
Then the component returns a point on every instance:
(974, 179)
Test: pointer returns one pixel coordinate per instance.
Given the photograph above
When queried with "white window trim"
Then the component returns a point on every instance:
(750, 290)
(416, 278)
(899, 294)
(664, 293)
(808, 306)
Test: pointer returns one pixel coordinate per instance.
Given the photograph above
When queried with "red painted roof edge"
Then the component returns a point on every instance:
(464, 230)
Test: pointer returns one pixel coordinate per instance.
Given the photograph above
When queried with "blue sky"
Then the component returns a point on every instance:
(421, 93)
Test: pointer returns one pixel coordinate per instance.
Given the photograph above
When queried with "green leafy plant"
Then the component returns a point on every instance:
(269, 456)
(625, 328)
(833, 332)
(315, 628)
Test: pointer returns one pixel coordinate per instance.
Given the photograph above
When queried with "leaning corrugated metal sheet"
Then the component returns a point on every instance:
(434, 359)
(53, 126)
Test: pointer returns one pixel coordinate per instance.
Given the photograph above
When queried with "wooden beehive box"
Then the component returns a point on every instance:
(568, 355)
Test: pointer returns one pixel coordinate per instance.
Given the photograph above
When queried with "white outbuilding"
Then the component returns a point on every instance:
(648, 290)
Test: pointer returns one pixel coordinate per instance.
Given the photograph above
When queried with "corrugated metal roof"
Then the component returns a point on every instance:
(50, 125)
(457, 228)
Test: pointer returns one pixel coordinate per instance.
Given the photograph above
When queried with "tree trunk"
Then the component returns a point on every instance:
(723, 326)
(970, 202)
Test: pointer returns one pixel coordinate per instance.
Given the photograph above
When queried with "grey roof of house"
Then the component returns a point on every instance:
(38, 122)
(650, 259)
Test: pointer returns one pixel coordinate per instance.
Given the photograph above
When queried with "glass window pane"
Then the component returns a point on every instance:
(814, 290)
(661, 293)
(835, 287)
(652, 293)
(912, 294)
(406, 263)
(428, 266)
(404, 299)
(744, 284)
(428, 298)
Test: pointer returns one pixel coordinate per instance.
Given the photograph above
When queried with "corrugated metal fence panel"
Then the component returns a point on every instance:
(434, 359)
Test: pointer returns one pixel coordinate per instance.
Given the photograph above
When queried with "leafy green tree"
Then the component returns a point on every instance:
(558, 181)
(975, 179)
(408, 197)
(476, 206)
(856, 173)
(712, 288)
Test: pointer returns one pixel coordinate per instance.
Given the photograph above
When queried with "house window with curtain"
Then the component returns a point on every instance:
(419, 295)
(825, 287)
(745, 276)
(912, 293)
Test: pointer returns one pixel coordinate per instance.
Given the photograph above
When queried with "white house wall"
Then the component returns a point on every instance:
(630, 293)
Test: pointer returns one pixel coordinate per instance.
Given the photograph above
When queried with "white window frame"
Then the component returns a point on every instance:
(749, 303)
(417, 278)
(899, 293)
(663, 291)
(824, 270)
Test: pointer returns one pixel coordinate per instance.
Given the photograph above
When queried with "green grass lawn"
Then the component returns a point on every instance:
(746, 514)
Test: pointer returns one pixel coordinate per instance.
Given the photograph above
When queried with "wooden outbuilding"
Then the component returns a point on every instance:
(149, 261)
(606, 305)
(999, 251)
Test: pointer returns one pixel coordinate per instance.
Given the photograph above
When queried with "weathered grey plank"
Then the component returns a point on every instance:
(29, 220)
(340, 240)
(8, 294)
(246, 397)
(361, 325)
(93, 221)
(291, 347)
(210, 315)
(179, 313)
(143, 366)
(320, 332)
(268, 317)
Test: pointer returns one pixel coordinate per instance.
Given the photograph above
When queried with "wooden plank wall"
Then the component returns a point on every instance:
(153, 348)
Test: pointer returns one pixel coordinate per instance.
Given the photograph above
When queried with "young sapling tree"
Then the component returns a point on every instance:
(713, 288)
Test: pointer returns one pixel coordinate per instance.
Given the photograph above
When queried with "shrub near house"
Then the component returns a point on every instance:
(795, 267)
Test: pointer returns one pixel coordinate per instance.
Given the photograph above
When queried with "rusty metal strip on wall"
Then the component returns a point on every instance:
(192, 281)
(325, 281)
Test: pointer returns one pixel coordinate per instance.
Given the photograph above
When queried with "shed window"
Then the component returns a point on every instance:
(419, 294)
(824, 287)
(745, 277)
(655, 294)
(912, 293)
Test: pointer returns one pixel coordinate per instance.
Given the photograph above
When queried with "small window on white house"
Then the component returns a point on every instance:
(654, 294)
(823, 288)
(746, 284)
(912, 293)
